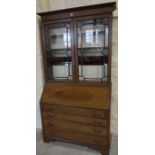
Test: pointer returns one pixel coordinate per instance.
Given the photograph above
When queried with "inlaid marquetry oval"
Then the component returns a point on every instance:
(73, 95)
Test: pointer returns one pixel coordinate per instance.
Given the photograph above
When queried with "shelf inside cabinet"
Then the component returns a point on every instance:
(59, 53)
(59, 49)
(93, 31)
(94, 47)
(86, 60)
(59, 60)
(91, 60)
(94, 51)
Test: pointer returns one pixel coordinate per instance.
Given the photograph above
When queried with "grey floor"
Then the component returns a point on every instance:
(63, 148)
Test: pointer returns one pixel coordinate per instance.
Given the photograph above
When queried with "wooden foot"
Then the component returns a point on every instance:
(105, 153)
(53, 140)
(46, 140)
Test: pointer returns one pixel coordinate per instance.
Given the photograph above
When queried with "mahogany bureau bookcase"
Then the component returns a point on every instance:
(75, 102)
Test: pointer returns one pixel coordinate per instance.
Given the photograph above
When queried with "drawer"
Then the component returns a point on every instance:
(75, 118)
(75, 111)
(77, 137)
(76, 127)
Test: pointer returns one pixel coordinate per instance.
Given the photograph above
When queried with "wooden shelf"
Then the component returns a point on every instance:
(59, 49)
(86, 60)
(92, 60)
(92, 31)
(59, 60)
(92, 47)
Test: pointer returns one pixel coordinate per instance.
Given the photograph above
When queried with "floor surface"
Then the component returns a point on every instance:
(64, 148)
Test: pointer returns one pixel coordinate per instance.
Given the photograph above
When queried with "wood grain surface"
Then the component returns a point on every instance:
(74, 95)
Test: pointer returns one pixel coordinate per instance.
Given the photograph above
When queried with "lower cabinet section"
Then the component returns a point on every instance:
(77, 137)
(79, 125)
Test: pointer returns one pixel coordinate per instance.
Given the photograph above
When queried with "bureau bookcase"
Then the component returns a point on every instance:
(75, 102)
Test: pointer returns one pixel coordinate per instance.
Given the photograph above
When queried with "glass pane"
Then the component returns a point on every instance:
(93, 49)
(58, 38)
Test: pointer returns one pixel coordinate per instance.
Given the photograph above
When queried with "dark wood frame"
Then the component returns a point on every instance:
(109, 51)
(72, 16)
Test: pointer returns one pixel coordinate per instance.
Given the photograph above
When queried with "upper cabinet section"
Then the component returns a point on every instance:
(77, 44)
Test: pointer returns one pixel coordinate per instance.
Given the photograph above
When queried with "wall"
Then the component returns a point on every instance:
(46, 5)
(39, 66)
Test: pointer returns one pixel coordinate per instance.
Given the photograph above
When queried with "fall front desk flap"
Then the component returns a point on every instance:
(79, 96)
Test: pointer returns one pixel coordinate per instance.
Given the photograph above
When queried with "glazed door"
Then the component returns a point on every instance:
(58, 51)
(93, 49)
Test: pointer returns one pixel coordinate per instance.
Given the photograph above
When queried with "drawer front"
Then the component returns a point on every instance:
(76, 127)
(75, 111)
(77, 137)
(89, 120)
(83, 125)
